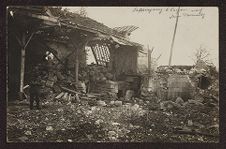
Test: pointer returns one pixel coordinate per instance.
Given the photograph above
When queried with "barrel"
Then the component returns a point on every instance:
(179, 86)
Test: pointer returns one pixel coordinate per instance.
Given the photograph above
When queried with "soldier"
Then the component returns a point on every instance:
(38, 80)
(36, 84)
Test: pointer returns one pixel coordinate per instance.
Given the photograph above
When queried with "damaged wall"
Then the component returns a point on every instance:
(66, 49)
(125, 60)
(142, 62)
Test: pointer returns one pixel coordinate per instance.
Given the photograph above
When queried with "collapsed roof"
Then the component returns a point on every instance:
(57, 16)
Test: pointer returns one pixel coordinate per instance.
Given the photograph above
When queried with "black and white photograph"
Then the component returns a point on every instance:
(112, 74)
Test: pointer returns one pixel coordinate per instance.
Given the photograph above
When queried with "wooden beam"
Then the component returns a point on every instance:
(22, 64)
(101, 53)
(77, 64)
(98, 54)
(95, 51)
(22, 68)
(149, 59)
(104, 53)
(108, 52)
(94, 54)
(28, 41)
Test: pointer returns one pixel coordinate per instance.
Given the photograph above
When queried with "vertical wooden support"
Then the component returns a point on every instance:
(22, 64)
(22, 69)
(98, 54)
(76, 64)
(108, 52)
(104, 53)
(149, 60)
(101, 53)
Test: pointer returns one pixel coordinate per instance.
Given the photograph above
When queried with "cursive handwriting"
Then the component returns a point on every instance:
(172, 12)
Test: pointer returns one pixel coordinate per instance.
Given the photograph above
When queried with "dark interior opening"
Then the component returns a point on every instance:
(204, 82)
(120, 93)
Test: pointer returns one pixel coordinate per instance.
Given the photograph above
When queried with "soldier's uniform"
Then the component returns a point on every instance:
(36, 85)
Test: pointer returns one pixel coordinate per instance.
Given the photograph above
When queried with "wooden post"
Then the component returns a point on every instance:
(78, 44)
(22, 69)
(76, 65)
(149, 60)
(22, 64)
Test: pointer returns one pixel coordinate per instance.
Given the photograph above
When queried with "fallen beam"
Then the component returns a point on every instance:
(69, 90)
(60, 95)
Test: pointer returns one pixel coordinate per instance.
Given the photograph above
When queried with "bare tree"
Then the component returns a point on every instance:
(202, 54)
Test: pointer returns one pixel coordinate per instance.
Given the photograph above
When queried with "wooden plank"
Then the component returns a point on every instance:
(101, 53)
(98, 55)
(59, 95)
(65, 96)
(28, 41)
(108, 52)
(104, 53)
(69, 97)
(76, 65)
(22, 68)
(95, 51)
(69, 90)
(94, 54)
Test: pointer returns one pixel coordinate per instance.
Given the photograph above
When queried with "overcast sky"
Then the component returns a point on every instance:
(197, 26)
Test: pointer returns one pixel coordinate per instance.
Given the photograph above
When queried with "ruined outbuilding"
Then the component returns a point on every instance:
(35, 33)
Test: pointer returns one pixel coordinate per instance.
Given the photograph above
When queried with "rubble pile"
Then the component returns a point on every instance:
(71, 114)
(99, 73)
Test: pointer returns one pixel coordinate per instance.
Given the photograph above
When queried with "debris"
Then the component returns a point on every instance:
(115, 124)
(101, 103)
(112, 134)
(193, 132)
(77, 97)
(112, 102)
(65, 96)
(99, 121)
(28, 133)
(214, 126)
(23, 138)
(179, 101)
(129, 95)
(69, 97)
(169, 105)
(60, 95)
(135, 107)
(190, 123)
(69, 90)
(49, 128)
(118, 103)
(196, 102)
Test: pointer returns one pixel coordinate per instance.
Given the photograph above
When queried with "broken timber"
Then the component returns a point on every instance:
(69, 90)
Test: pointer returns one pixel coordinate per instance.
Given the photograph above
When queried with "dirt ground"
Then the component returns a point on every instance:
(129, 122)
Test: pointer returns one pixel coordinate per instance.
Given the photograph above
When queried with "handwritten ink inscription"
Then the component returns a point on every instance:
(172, 12)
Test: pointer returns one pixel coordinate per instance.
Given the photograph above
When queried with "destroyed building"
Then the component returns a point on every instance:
(37, 32)
(99, 86)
